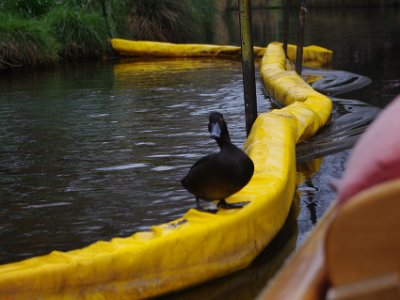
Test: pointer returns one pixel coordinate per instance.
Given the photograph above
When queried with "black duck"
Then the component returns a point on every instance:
(219, 175)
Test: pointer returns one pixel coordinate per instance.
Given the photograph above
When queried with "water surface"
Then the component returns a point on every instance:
(97, 151)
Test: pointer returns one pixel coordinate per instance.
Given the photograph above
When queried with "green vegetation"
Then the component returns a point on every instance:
(26, 8)
(170, 20)
(25, 42)
(43, 32)
(80, 33)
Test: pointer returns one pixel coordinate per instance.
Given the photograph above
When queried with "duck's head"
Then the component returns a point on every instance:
(218, 128)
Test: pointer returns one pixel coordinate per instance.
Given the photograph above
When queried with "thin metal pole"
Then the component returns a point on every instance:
(249, 80)
(300, 37)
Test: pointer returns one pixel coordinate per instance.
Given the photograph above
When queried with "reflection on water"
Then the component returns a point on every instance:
(349, 118)
(90, 152)
(341, 133)
(335, 82)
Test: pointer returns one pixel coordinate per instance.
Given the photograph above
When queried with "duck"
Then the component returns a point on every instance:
(222, 174)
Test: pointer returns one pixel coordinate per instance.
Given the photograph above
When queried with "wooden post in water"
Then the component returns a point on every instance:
(249, 81)
(300, 37)
(286, 25)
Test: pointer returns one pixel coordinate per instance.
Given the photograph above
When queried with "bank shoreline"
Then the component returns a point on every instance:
(64, 34)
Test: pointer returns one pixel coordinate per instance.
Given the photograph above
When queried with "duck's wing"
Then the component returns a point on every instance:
(206, 178)
(204, 167)
(235, 165)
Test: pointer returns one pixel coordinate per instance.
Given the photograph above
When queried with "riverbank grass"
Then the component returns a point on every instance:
(25, 42)
(80, 33)
(38, 33)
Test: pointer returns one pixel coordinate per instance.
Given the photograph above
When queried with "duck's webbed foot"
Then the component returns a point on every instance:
(223, 204)
(205, 209)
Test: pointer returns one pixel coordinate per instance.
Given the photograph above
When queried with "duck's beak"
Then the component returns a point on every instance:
(215, 131)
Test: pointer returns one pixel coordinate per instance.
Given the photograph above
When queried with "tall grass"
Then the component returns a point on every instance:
(167, 20)
(25, 42)
(27, 8)
(80, 33)
(160, 20)
(204, 13)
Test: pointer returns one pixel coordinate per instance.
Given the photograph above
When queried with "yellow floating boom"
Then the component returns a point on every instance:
(162, 49)
(199, 246)
(314, 56)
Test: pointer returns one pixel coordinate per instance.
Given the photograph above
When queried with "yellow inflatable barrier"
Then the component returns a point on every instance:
(199, 246)
(310, 108)
(162, 49)
(314, 56)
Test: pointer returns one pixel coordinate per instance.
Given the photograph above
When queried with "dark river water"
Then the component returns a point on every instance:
(97, 150)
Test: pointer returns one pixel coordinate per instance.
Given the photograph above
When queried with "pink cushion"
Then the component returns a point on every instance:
(376, 156)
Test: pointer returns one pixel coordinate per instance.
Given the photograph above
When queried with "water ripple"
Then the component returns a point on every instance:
(336, 82)
(122, 167)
